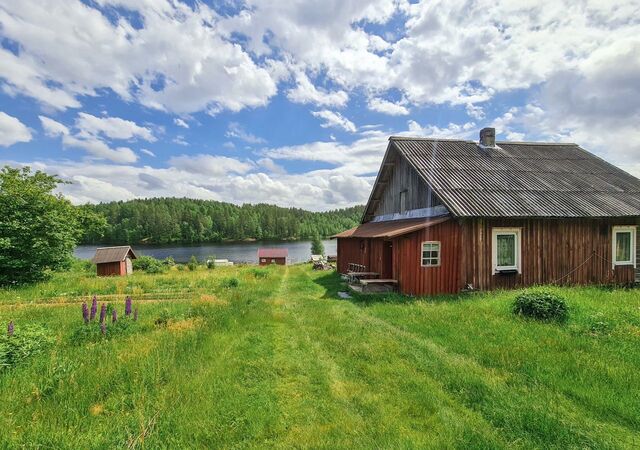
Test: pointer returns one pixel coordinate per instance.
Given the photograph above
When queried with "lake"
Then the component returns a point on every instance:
(239, 252)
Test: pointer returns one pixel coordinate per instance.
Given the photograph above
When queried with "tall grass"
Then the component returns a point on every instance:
(277, 360)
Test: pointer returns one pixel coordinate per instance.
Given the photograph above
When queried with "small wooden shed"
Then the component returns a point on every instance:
(114, 260)
(268, 256)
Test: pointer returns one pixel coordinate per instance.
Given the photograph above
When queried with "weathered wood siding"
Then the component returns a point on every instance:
(413, 279)
(111, 269)
(268, 261)
(404, 178)
(367, 252)
(553, 251)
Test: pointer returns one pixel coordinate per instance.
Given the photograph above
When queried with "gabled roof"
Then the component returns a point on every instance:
(113, 254)
(389, 229)
(520, 179)
(273, 252)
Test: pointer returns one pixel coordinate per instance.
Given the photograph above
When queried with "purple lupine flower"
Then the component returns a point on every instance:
(114, 316)
(127, 307)
(10, 328)
(135, 315)
(94, 308)
(103, 328)
(85, 312)
(103, 312)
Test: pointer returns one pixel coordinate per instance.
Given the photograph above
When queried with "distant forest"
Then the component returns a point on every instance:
(187, 221)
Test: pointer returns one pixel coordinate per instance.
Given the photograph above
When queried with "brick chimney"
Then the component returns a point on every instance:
(488, 137)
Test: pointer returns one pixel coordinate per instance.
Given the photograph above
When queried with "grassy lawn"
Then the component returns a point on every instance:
(279, 361)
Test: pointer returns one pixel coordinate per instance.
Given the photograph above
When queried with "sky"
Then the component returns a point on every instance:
(292, 102)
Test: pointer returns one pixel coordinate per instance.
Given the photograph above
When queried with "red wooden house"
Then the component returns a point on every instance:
(449, 215)
(114, 260)
(268, 256)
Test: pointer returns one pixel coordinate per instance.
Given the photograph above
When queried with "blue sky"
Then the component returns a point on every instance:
(292, 102)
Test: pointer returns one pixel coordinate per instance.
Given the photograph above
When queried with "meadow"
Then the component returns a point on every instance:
(242, 357)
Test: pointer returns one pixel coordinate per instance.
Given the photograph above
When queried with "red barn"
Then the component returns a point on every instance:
(447, 215)
(114, 260)
(268, 256)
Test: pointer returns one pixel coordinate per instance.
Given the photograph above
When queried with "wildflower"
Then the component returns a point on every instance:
(135, 315)
(10, 328)
(114, 316)
(127, 307)
(103, 312)
(94, 308)
(85, 312)
(103, 328)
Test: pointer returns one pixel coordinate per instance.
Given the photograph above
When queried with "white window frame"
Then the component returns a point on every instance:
(632, 229)
(495, 232)
(422, 264)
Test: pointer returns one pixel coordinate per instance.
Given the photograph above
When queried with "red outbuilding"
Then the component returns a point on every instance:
(268, 256)
(114, 260)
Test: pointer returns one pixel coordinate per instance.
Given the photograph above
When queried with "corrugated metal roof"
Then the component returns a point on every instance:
(389, 229)
(273, 252)
(112, 254)
(521, 179)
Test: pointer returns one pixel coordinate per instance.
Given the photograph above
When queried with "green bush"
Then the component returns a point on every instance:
(541, 305)
(25, 342)
(193, 263)
(211, 262)
(229, 283)
(149, 264)
(169, 261)
(260, 272)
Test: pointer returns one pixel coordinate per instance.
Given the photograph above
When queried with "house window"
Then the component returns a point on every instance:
(430, 254)
(273, 261)
(624, 244)
(264, 260)
(403, 201)
(506, 249)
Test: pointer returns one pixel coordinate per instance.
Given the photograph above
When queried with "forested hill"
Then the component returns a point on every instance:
(187, 221)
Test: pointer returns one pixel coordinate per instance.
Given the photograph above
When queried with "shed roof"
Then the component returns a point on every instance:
(112, 254)
(389, 229)
(273, 252)
(521, 179)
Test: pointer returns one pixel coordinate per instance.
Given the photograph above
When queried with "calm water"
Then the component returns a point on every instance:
(299, 251)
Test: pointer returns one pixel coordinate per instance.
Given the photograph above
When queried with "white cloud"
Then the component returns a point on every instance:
(335, 120)
(87, 137)
(52, 128)
(467, 130)
(147, 152)
(99, 149)
(475, 111)
(210, 164)
(271, 166)
(306, 92)
(181, 123)
(111, 127)
(12, 130)
(179, 139)
(237, 131)
(178, 61)
(386, 107)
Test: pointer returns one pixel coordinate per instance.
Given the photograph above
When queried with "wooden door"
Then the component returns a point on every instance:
(387, 260)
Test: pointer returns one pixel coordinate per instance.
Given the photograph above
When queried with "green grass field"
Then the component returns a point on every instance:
(279, 361)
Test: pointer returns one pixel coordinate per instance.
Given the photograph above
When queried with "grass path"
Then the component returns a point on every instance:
(347, 358)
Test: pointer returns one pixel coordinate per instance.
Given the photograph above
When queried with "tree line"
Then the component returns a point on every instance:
(189, 221)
